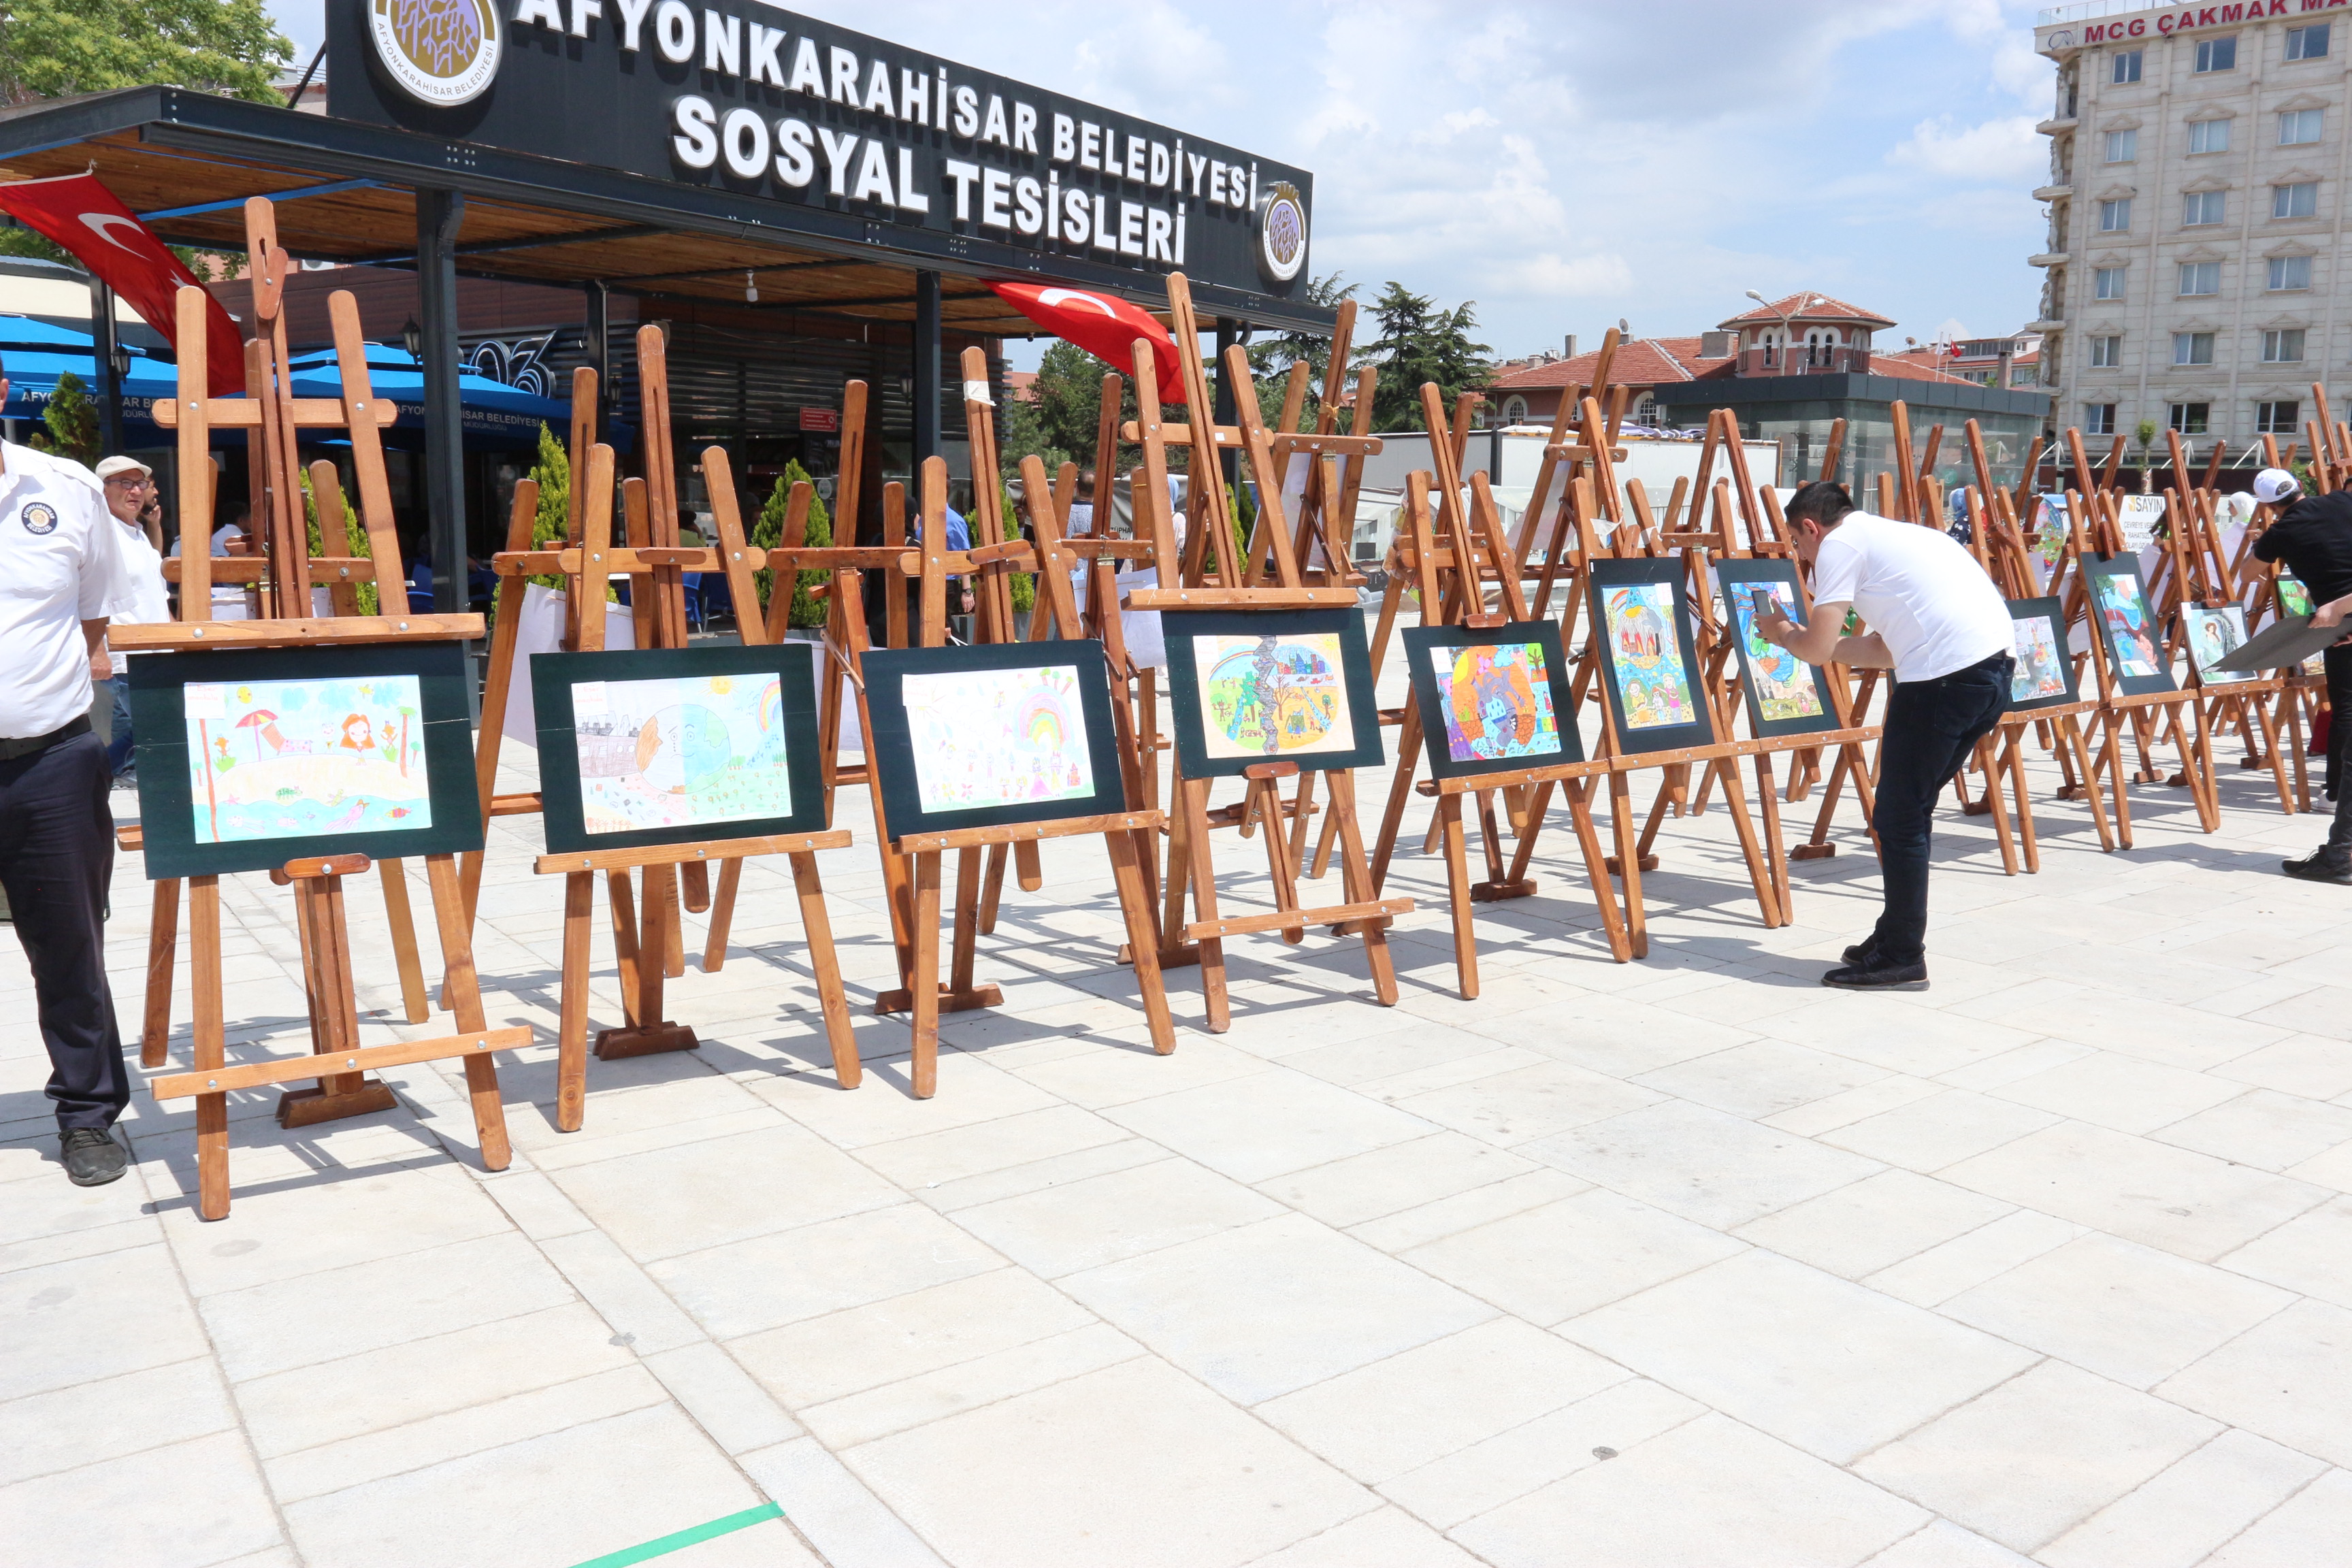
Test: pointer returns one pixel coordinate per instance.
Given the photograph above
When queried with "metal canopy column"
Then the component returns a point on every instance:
(927, 374)
(1224, 410)
(438, 216)
(598, 330)
(109, 380)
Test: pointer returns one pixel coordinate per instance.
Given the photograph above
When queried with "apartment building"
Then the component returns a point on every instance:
(2195, 275)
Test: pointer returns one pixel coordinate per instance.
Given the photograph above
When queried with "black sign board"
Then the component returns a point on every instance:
(736, 96)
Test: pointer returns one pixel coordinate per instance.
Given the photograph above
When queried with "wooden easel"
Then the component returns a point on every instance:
(287, 572)
(1239, 580)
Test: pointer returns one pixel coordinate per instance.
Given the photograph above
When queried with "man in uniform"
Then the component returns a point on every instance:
(60, 579)
(2313, 539)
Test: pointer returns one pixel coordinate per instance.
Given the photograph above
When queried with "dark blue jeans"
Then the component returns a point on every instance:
(117, 748)
(1932, 726)
(56, 857)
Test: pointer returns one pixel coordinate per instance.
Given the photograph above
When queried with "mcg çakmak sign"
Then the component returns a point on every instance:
(2163, 21)
(739, 95)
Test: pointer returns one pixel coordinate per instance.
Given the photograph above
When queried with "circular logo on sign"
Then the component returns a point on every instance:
(1282, 231)
(39, 518)
(441, 52)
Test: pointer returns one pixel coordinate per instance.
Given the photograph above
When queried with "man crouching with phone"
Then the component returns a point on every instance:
(1934, 619)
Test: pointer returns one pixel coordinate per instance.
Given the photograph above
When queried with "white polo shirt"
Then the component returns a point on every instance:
(1918, 589)
(144, 569)
(59, 566)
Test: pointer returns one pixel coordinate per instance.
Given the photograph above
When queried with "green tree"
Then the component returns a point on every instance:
(55, 48)
(72, 421)
(354, 542)
(1271, 360)
(1420, 342)
(768, 532)
(552, 526)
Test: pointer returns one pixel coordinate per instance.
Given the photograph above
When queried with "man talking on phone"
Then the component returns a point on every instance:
(1937, 621)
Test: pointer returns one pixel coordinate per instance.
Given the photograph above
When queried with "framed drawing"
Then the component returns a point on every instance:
(1786, 696)
(1656, 699)
(993, 735)
(1271, 686)
(2045, 677)
(657, 746)
(252, 757)
(2294, 599)
(2127, 629)
(2213, 636)
(1491, 698)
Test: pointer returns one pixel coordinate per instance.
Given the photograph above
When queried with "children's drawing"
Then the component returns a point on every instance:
(289, 759)
(997, 737)
(1784, 684)
(679, 752)
(2213, 636)
(2294, 599)
(1497, 700)
(2123, 605)
(1273, 696)
(1651, 683)
(2041, 671)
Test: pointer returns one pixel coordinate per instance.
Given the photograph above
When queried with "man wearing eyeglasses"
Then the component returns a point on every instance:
(133, 500)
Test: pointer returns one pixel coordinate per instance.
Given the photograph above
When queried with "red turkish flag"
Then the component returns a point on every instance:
(1103, 324)
(79, 213)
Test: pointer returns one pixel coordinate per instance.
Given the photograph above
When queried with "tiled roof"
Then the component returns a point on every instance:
(1804, 307)
(1640, 362)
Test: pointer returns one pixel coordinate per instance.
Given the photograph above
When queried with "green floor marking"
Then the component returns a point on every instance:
(665, 1545)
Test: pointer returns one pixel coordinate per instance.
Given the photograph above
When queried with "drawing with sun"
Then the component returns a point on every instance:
(997, 737)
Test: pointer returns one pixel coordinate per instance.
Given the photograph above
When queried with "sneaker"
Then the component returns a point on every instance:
(2319, 866)
(91, 1156)
(1875, 973)
(1860, 952)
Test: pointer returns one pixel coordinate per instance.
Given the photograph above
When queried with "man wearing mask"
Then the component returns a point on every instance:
(61, 579)
(2313, 539)
(130, 497)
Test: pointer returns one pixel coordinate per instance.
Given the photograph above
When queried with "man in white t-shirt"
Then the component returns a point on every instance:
(231, 601)
(130, 487)
(60, 578)
(1934, 619)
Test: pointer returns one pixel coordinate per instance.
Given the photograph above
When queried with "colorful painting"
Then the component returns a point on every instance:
(1784, 684)
(997, 737)
(2041, 669)
(1273, 696)
(1496, 700)
(1653, 685)
(293, 759)
(2130, 627)
(2213, 636)
(2294, 599)
(679, 752)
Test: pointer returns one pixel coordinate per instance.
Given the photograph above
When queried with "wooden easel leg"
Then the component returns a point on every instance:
(2294, 706)
(162, 941)
(1992, 803)
(1819, 846)
(2269, 724)
(209, 1042)
(1531, 821)
(818, 928)
(624, 943)
(1628, 865)
(1457, 887)
(1768, 796)
(1135, 905)
(722, 915)
(668, 928)
(466, 1002)
(1302, 818)
(1026, 869)
(1177, 949)
(967, 916)
(1279, 868)
(992, 886)
(924, 981)
(2073, 749)
(403, 939)
(327, 979)
(1596, 866)
(637, 946)
(1358, 880)
(2111, 759)
(1217, 1004)
(2013, 762)
(572, 1030)
(695, 878)
(2199, 761)
(1760, 868)
(1401, 784)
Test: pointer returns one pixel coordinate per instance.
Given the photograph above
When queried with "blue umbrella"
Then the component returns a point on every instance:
(495, 414)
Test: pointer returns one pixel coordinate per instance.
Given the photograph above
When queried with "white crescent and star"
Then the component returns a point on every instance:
(98, 223)
(1072, 297)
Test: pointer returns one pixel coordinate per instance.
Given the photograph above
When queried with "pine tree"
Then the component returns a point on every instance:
(1418, 343)
(355, 543)
(552, 526)
(72, 421)
(768, 533)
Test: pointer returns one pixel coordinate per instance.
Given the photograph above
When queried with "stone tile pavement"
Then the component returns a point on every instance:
(1682, 1262)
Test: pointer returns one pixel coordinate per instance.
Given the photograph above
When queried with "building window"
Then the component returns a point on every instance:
(2098, 419)
(2308, 43)
(2209, 136)
(2200, 209)
(2278, 418)
(2288, 272)
(2301, 127)
(2298, 200)
(2106, 351)
(2190, 418)
(2283, 345)
(2123, 146)
(1514, 409)
(2192, 348)
(2200, 278)
(2107, 283)
(2115, 217)
(2125, 67)
(1645, 412)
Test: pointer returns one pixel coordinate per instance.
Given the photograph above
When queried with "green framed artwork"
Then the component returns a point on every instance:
(1785, 695)
(2044, 675)
(1271, 686)
(655, 746)
(2127, 631)
(2213, 635)
(1648, 657)
(252, 757)
(1492, 697)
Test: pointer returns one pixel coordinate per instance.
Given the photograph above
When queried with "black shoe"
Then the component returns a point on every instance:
(91, 1156)
(1860, 952)
(2320, 866)
(1875, 973)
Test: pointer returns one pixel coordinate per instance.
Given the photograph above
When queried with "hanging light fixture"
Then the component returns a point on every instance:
(750, 287)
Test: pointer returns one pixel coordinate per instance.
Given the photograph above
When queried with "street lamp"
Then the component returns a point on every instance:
(413, 337)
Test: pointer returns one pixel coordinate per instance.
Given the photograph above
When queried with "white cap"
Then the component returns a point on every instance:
(109, 467)
(2272, 486)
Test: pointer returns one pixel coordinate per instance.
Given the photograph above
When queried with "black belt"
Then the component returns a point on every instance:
(12, 749)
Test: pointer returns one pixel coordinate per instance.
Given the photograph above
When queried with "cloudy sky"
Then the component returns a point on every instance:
(1569, 164)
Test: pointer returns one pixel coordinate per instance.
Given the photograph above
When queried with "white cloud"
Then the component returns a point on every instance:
(2006, 150)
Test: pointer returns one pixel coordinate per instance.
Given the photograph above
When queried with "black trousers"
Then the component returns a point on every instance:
(1931, 728)
(56, 857)
(2339, 749)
